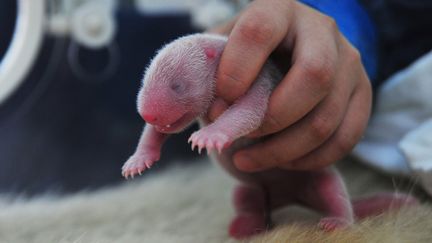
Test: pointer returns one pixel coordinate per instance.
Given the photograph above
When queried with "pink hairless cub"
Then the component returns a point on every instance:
(179, 87)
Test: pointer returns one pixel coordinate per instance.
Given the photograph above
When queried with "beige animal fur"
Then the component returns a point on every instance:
(191, 203)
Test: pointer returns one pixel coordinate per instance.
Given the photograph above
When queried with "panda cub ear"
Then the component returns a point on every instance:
(210, 52)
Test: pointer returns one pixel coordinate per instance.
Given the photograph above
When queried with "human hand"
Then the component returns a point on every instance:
(319, 110)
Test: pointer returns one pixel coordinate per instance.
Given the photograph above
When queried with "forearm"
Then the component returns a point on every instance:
(147, 152)
(150, 140)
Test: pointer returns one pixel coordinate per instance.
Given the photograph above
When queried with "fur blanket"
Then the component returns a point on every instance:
(192, 204)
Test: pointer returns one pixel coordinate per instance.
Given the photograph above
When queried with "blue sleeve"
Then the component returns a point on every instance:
(356, 25)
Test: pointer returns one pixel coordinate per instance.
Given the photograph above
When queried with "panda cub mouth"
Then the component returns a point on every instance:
(177, 125)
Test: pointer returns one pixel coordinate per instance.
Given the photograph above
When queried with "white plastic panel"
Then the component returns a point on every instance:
(24, 47)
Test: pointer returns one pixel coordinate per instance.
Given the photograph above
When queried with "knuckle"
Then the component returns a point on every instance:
(312, 162)
(320, 128)
(270, 153)
(257, 28)
(276, 158)
(271, 124)
(320, 73)
(330, 23)
(344, 145)
(231, 78)
(354, 56)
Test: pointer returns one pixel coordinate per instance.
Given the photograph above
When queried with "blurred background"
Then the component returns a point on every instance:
(69, 74)
(70, 71)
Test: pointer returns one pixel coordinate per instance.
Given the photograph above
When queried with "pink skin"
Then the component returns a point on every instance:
(179, 87)
(148, 152)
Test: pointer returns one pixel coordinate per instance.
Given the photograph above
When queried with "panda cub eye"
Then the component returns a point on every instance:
(176, 87)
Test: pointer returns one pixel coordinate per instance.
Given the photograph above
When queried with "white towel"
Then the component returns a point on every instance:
(398, 139)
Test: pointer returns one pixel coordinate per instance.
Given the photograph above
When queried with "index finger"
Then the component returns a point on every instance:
(258, 31)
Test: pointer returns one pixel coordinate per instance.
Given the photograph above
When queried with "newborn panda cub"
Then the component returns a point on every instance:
(178, 89)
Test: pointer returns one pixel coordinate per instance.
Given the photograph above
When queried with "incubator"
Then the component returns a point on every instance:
(68, 81)
(89, 24)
